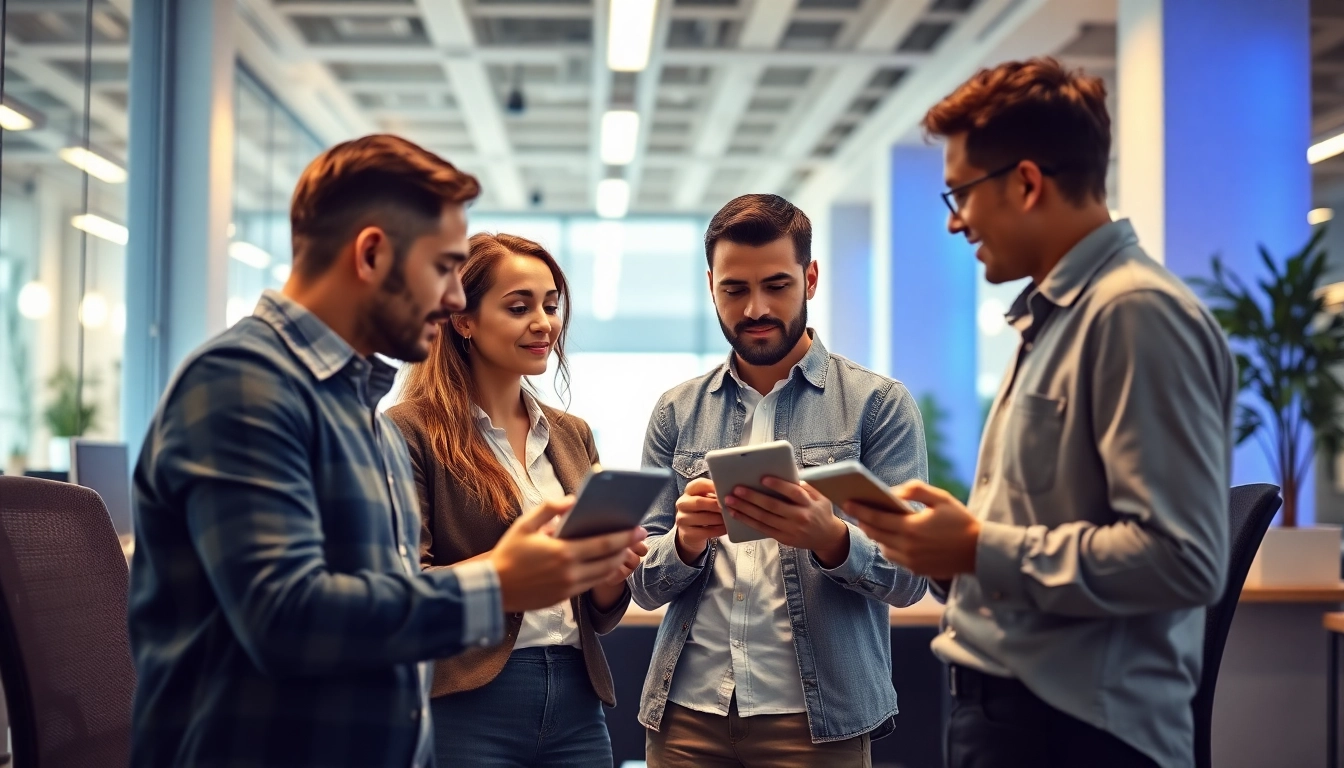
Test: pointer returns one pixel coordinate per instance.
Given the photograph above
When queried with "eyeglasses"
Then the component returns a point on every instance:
(955, 197)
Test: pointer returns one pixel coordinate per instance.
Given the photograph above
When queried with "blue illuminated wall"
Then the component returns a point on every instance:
(1237, 105)
(933, 301)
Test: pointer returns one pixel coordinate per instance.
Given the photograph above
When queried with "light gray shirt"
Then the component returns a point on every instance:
(536, 483)
(741, 640)
(1102, 484)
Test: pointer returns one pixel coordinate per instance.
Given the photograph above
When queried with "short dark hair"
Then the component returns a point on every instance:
(380, 180)
(1033, 110)
(759, 219)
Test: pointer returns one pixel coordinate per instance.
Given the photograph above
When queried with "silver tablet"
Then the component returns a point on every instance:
(748, 465)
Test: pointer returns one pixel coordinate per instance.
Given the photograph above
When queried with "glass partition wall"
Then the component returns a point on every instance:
(63, 141)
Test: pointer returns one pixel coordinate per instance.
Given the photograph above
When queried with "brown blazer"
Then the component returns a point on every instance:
(454, 528)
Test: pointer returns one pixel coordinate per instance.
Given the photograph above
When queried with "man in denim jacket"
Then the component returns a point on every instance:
(774, 652)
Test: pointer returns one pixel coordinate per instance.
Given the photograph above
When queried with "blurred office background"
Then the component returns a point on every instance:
(149, 150)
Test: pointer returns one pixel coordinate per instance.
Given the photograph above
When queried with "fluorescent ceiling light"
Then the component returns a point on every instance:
(93, 164)
(1319, 216)
(99, 227)
(34, 301)
(249, 254)
(620, 130)
(613, 198)
(1324, 150)
(630, 34)
(13, 120)
(93, 310)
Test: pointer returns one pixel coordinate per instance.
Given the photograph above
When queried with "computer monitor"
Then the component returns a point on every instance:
(103, 467)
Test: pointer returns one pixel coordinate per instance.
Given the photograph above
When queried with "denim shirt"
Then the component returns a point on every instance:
(831, 410)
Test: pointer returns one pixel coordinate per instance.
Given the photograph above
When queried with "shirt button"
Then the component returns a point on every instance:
(737, 643)
(996, 595)
(984, 479)
(739, 597)
(830, 460)
(415, 714)
(401, 549)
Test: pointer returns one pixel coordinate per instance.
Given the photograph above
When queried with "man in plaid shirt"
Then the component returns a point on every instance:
(278, 616)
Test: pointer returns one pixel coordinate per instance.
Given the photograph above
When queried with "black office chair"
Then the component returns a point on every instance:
(1251, 508)
(65, 654)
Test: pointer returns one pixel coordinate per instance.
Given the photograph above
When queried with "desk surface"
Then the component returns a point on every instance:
(1333, 594)
(927, 611)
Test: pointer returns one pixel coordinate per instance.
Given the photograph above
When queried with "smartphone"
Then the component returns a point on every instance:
(851, 481)
(748, 465)
(613, 500)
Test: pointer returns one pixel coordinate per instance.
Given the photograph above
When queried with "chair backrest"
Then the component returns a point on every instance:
(1251, 508)
(64, 648)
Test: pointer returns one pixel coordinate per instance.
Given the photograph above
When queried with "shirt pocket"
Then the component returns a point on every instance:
(689, 466)
(1031, 442)
(822, 454)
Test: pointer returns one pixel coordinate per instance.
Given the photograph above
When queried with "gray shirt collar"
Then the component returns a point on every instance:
(1075, 271)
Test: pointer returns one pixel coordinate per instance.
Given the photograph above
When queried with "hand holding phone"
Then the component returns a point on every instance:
(851, 481)
(612, 500)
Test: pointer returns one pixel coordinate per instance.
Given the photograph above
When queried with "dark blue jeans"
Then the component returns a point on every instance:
(541, 712)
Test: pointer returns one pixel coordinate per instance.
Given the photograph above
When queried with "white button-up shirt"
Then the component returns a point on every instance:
(536, 483)
(742, 641)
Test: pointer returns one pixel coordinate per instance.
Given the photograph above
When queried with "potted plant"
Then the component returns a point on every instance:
(67, 415)
(1289, 350)
(942, 473)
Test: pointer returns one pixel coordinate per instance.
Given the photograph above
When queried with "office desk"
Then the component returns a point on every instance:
(1270, 705)
(1269, 709)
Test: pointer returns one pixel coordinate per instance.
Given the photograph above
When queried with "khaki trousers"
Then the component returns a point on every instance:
(690, 739)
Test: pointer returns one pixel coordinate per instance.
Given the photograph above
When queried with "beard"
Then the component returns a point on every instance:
(394, 323)
(763, 352)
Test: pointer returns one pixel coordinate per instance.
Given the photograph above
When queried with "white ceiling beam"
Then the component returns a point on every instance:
(562, 53)
(59, 84)
(100, 52)
(763, 30)
(646, 96)
(448, 25)
(303, 85)
(994, 31)
(815, 117)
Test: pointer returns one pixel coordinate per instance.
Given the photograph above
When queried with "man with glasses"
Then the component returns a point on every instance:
(1076, 577)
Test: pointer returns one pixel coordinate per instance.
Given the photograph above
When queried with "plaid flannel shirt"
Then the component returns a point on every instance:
(278, 616)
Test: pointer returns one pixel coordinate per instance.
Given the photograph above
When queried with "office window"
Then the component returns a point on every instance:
(63, 140)
(642, 320)
(272, 148)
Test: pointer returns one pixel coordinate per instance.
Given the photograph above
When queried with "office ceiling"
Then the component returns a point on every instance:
(788, 96)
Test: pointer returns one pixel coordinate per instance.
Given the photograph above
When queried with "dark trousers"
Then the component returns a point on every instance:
(541, 712)
(999, 723)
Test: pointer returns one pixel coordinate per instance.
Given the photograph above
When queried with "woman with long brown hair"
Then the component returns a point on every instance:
(484, 448)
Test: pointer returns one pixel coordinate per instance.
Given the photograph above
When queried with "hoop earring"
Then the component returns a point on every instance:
(466, 345)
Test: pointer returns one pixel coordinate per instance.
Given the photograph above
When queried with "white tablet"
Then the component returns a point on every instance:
(748, 466)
